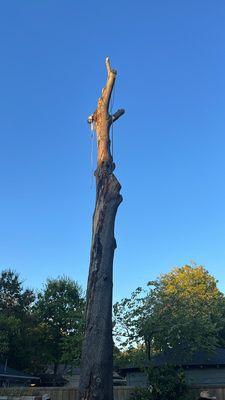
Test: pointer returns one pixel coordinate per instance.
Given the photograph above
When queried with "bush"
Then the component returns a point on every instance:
(165, 383)
(141, 394)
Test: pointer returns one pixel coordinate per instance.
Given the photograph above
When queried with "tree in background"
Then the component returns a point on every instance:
(182, 310)
(14, 300)
(36, 332)
(9, 332)
(127, 314)
(135, 356)
(60, 311)
(15, 318)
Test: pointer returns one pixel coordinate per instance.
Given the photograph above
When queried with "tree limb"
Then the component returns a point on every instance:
(117, 114)
(107, 91)
(108, 67)
(102, 120)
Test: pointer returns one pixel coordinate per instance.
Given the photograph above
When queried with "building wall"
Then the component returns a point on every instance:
(136, 379)
(197, 376)
(205, 376)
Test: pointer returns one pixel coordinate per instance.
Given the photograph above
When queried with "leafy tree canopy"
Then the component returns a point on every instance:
(15, 317)
(181, 310)
(14, 300)
(36, 331)
(60, 312)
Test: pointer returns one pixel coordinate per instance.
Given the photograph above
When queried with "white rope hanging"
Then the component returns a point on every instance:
(111, 112)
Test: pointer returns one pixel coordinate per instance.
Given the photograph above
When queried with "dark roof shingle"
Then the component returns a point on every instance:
(11, 372)
(198, 359)
(216, 357)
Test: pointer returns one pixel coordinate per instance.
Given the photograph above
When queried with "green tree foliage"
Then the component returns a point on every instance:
(134, 356)
(128, 313)
(182, 310)
(165, 383)
(38, 330)
(9, 331)
(15, 317)
(60, 311)
(14, 300)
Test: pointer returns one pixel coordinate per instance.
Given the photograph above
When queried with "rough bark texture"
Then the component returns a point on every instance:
(96, 381)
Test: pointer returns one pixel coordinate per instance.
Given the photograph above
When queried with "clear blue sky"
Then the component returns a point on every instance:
(169, 146)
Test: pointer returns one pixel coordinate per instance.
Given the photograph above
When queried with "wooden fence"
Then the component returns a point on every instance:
(65, 393)
(59, 393)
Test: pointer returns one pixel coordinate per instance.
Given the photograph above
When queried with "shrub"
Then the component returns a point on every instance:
(165, 383)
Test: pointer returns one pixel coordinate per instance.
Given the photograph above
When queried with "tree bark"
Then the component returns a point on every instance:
(96, 381)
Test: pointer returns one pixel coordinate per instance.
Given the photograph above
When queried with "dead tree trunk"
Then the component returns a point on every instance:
(96, 382)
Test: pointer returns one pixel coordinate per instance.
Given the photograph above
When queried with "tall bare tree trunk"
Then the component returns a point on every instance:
(96, 381)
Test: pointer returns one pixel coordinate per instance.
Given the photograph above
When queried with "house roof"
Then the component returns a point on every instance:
(201, 358)
(13, 373)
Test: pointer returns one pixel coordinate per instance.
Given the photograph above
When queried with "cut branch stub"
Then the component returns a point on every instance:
(103, 120)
